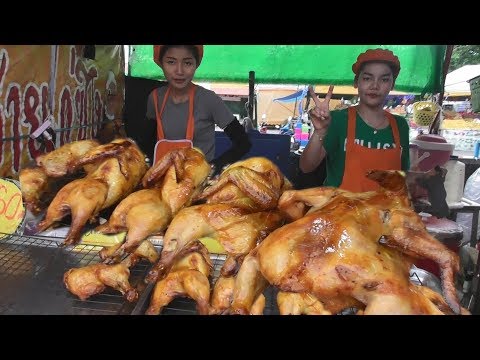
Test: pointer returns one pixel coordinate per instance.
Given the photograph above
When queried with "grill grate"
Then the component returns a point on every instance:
(31, 278)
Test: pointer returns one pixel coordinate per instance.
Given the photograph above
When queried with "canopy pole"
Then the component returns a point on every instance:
(446, 65)
(251, 97)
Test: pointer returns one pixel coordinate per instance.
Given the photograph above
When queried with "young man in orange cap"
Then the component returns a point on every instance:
(184, 114)
(362, 137)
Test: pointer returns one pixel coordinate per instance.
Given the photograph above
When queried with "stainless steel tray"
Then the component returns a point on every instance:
(31, 279)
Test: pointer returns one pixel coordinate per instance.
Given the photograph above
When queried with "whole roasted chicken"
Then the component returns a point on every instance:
(119, 166)
(90, 280)
(175, 179)
(348, 249)
(40, 183)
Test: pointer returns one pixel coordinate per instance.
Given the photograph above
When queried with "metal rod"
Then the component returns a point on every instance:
(57, 130)
(251, 96)
(446, 65)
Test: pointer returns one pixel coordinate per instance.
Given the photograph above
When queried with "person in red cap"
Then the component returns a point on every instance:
(183, 114)
(362, 137)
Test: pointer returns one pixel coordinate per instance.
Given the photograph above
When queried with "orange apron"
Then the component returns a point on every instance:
(163, 145)
(360, 159)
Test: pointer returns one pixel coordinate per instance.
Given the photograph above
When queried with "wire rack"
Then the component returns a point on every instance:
(31, 278)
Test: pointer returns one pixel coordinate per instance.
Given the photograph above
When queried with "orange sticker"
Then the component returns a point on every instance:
(12, 210)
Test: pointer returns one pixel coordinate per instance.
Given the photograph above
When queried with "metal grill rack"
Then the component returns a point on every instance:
(31, 278)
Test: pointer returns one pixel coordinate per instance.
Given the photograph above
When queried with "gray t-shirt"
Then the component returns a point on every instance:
(209, 109)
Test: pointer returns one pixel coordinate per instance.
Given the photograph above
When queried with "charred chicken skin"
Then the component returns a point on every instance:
(93, 279)
(119, 167)
(345, 249)
(175, 179)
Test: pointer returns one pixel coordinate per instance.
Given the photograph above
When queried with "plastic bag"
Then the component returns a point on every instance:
(471, 192)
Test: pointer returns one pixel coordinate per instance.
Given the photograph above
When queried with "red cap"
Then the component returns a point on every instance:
(377, 55)
(158, 48)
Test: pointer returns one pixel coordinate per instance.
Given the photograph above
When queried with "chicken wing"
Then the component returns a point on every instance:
(254, 184)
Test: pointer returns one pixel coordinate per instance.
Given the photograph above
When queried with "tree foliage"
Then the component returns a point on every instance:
(464, 55)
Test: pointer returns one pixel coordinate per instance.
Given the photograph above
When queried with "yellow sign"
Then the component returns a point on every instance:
(98, 239)
(12, 211)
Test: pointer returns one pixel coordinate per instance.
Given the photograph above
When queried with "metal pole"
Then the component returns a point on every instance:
(446, 65)
(251, 96)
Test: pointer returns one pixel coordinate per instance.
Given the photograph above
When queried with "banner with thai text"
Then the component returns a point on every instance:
(55, 83)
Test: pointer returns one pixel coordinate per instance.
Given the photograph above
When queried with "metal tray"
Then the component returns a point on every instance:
(31, 279)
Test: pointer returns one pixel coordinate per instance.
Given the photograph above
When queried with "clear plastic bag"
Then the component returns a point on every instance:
(471, 192)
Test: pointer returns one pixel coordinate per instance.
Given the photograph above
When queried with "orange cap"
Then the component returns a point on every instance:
(377, 55)
(158, 48)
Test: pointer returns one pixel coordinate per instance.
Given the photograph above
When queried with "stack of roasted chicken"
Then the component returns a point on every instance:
(324, 249)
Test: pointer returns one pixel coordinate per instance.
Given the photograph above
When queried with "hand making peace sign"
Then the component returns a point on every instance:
(320, 114)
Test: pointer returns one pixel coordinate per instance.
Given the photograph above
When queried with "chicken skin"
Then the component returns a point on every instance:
(34, 184)
(180, 175)
(93, 279)
(346, 249)
(119, 167)
(222, 297)
(175, 179)
(299, 304)
(237, 230)
(64, 160)
(188, 278)
(254, 184)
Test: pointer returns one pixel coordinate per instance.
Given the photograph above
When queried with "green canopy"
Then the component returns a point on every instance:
(302, 64)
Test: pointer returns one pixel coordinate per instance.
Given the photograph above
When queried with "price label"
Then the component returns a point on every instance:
(12, 210)
(98, 239)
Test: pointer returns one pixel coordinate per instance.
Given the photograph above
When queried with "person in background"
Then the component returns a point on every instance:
(362, 137)
(183, 114)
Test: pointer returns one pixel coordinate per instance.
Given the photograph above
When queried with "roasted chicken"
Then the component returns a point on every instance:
(119, 166)
(93, 279)
(65, 159)
(39, 184)
(254, 184)
(180, 175)
(348, 249)
(188, 277)
(175, 179)
(237, 230)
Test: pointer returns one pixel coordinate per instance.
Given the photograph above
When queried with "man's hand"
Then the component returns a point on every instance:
(320, 114)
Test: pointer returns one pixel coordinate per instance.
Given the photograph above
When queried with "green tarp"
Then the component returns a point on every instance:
(302, 64)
